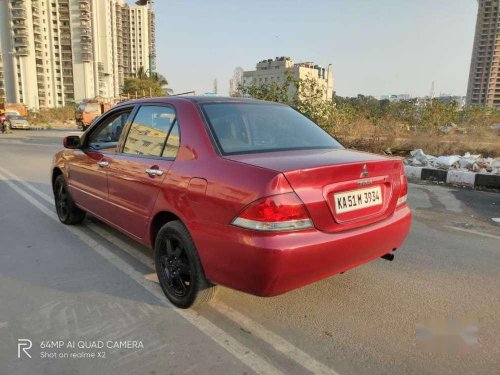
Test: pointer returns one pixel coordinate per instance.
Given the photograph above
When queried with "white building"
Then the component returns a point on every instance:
(275, 70)
(142, 38)
(58, 52)
(396, 97)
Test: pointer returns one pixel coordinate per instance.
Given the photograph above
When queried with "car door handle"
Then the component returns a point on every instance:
(154, 172)
(102, 163)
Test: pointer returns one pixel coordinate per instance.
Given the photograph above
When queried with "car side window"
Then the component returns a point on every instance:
(149, 130)
(107, 134)
(173, 142)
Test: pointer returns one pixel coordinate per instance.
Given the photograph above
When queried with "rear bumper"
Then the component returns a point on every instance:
(268, 264)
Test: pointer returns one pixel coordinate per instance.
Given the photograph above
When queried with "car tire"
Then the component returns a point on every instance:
(179, 269)
(67, 211)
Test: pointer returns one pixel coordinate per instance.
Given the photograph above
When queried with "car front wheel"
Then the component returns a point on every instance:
(67, 211)
(179, 268)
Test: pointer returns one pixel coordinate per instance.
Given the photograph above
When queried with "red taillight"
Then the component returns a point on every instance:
(403, 191)
(275, 213)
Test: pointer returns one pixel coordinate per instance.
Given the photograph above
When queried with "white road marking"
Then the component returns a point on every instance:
(276, 341)
(473, 232)
(40, 193)
(496, 219)
(243, 353)
(4, 324)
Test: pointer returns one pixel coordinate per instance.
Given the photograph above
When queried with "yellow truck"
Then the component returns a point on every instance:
(12, 109)
(88, 110)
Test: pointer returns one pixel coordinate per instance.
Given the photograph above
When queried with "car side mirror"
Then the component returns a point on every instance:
(71, 142)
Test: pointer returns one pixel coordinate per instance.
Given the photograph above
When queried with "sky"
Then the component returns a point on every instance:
(375, 47)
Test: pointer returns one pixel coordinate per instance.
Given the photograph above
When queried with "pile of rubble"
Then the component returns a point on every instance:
(468, 162)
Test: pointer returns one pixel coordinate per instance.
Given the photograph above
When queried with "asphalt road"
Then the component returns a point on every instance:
(434, 310)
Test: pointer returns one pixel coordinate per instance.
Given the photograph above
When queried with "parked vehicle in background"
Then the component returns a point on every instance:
(88, 111)
(243, 193)
(10, 109)
(15, 121)
(13, 108)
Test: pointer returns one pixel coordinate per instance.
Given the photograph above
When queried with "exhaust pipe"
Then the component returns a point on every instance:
(388, 256)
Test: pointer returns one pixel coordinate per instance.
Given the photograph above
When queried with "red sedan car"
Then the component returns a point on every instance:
(243, 193)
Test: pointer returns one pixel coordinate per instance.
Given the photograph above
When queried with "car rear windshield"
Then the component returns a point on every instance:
(247, 128)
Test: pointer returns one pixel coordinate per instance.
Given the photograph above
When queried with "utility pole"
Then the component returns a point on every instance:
(215, 86)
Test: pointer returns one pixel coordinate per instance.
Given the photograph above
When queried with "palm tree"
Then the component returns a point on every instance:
(142, 74)
(162, 81)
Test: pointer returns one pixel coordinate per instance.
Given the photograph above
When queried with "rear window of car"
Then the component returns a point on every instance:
(247, 128)
(154, 132)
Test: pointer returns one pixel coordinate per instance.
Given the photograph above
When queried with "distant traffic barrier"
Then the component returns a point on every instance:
(453, 177)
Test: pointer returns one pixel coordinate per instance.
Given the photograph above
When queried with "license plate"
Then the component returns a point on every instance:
(357, 199)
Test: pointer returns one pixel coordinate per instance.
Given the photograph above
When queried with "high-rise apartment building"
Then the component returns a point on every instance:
(142, 38)
(57, 52)
(2, 81)
(484, 76)
(275, 70)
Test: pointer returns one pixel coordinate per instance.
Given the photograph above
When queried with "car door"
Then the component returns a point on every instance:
(136, 173)
(88, 169)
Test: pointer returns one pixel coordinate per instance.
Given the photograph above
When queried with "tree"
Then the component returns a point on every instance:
(143, 84)
(235, 82)
(305, 95)
(141, 73)
(309, 100)
(136, 87)
(162, 81)
(273, 91)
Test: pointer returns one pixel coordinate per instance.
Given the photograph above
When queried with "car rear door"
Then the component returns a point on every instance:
(136, 173)
(88, 167)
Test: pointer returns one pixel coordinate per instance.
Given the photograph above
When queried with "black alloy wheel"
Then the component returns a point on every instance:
(175, 267)
(61, 200)
(178, 267)
(66, 209)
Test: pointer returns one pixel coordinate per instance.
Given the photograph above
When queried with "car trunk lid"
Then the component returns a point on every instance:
(342, 189)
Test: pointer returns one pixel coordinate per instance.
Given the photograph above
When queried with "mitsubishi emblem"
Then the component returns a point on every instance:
(364, 173)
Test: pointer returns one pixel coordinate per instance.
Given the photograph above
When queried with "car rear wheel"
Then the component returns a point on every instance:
(179, 268)
(67, 211)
